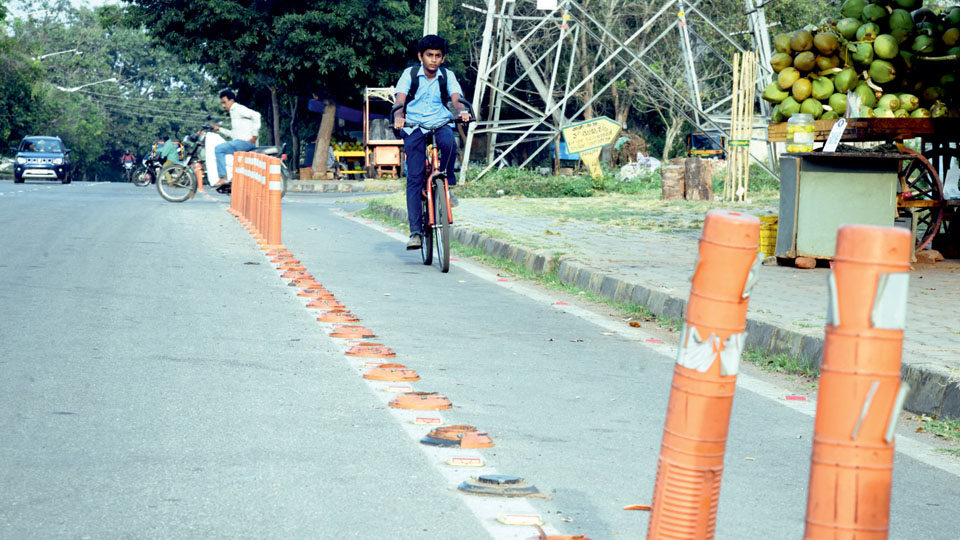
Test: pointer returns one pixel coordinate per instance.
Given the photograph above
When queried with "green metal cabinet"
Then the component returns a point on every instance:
(820, 192)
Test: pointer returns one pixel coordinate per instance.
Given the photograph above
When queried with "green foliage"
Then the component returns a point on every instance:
(155, 95)
(782, 363)
(517, 182)
(295, 46)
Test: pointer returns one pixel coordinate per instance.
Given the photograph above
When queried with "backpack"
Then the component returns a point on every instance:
(415, 85)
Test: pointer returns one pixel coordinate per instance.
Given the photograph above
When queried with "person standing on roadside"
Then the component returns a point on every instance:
(244, 130)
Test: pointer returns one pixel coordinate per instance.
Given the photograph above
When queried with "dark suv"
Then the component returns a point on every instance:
(42, 158)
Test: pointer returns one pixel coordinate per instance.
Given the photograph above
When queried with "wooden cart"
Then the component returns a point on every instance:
(921, 173)
(384, 152)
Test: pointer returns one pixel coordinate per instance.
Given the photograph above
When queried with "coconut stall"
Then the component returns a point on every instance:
(881, 77)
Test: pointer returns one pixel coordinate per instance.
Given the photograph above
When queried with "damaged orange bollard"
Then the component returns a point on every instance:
(860, 395)
(687, 489)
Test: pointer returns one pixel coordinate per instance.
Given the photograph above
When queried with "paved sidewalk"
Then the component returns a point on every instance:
(653, 268)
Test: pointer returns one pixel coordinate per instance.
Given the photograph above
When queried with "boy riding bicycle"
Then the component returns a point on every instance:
(431, 84)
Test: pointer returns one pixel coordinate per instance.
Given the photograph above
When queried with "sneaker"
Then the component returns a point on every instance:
(414, 242)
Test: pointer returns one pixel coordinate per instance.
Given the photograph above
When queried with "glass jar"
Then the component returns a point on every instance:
(800, 133)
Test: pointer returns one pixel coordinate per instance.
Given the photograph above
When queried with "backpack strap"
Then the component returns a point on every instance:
(415, 85)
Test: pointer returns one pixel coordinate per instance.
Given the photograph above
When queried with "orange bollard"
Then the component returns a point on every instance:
(274, 212)
(687, 490)
(235, 185)
(860, 395)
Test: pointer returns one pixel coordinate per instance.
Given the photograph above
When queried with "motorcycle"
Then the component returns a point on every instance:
(128, 167)
(149, 170)
(177, 182)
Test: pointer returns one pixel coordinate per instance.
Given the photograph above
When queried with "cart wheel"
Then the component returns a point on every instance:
(921, 194)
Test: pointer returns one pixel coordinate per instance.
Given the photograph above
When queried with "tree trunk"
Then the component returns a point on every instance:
(674, 125)
(323, 138)
(294, 138)
(585, 69)
(275, 110)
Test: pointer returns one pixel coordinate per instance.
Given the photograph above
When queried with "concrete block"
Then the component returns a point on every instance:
(640, 295)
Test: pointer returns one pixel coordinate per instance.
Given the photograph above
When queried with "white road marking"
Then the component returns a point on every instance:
(907, 446)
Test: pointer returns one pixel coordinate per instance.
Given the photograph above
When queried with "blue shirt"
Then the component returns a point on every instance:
(426, 107)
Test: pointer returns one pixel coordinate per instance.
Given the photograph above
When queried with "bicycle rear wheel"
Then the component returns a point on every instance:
(426, 242)
(442, 232)
(176, 183)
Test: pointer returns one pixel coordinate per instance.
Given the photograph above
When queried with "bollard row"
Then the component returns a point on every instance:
(255, 197)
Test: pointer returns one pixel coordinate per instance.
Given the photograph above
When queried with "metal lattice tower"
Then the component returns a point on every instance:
(540, 46)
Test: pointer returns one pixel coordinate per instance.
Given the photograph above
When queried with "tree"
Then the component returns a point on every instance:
(271, 49)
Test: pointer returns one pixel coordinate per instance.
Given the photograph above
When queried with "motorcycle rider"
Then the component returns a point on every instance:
(245, 128)
(127, 158)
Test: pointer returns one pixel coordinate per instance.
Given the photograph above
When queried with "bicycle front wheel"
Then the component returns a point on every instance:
(426, 243)
(442, 232)
(176, 183)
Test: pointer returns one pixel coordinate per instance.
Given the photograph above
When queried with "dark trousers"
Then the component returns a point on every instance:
(414, 145)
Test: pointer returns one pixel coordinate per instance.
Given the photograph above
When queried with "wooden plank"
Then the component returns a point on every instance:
(878, 129)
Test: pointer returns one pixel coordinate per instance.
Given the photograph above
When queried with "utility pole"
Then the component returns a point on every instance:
(431, 14)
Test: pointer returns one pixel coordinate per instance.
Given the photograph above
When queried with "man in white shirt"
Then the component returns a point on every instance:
(245, 128)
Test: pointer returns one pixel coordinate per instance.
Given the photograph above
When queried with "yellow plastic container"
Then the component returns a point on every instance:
(800, 133)
(768, 235)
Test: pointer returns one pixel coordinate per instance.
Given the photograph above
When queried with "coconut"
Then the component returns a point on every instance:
(782, 44)
(951, 37)
(846, 80)
(932, 94)
(908, 5)
(789, 107)
(920, 113)
(787, 77)
(922, 15)
(864, 54)
(853, 8)
(867, 96)
(812, 107)
(776, 115)
(822, 88)
(780, 61)
(882, 112)
(890, 101)
(802, 89)
(868, 32)
(885, 47)
(900, 113)
(882, 71)
(939, 110)
(826, 42)
(952, 16)
(874, 13)
(866, 112)
(829, 115)
(774, 94)
(828, 62)
(801, 40)
(838, 102)
(848, 27)
(805, 61)
(908, 102)
(923, 44)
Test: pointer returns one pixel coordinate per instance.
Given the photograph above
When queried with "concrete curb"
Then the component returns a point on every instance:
(342, 186)
(933, 389)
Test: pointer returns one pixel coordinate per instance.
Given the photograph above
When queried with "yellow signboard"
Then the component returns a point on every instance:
(595, 133)
(592, 159)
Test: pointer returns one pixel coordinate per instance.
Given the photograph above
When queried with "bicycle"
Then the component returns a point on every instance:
(435, 200)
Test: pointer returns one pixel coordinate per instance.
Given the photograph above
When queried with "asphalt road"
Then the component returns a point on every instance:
(159, 380)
